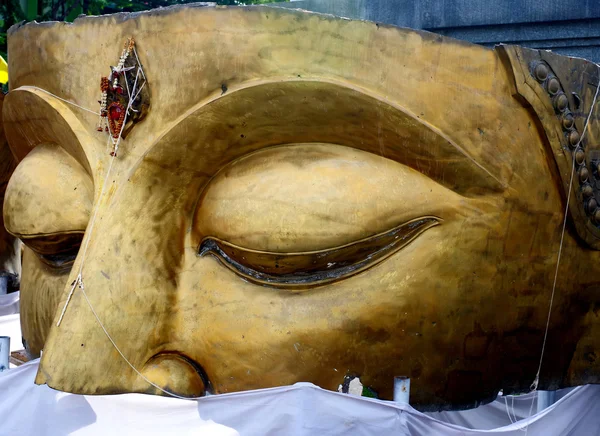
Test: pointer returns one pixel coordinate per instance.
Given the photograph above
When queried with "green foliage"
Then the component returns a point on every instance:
(247, 2)
(67, 10)
(368, 392)
(10, 12)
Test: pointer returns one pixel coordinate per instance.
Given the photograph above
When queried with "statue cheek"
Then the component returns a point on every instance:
(41, 290)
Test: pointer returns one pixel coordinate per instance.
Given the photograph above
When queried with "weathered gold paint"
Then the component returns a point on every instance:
(328, 131)
(10, 247)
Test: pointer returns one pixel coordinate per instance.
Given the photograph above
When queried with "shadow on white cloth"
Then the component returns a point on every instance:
(499, 413)
(301, 409)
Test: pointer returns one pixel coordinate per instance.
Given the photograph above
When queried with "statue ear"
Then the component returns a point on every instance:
(32, 117)
(562, 91)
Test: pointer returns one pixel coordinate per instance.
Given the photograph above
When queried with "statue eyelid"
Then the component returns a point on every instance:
(314, 268)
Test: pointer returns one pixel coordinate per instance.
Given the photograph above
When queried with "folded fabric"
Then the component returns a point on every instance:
(301, 409)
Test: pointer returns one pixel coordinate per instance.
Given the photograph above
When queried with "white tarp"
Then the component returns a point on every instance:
(499, 413)
(9, 303)
(301, 409)
(10, 325)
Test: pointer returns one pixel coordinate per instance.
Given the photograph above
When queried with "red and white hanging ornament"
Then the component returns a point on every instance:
(125, 97)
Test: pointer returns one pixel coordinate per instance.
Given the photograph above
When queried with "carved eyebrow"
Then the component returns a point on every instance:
(311, 268)
(317, 111)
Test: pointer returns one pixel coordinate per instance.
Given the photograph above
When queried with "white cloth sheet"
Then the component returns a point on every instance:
(499, 413)
(301, 409)
(9, 303)
(10, 325)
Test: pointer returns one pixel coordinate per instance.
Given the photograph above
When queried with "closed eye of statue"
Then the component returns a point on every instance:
(48, 203)
(315, 267)
(302, 215)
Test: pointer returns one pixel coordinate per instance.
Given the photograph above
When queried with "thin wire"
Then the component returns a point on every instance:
(79, 280)
(70, 102)
(139, 63)
(512, 417)
(125, 358)
(127, 84)
(78, 283)
(535, 396)
(73, 286)
(140, 90)
(585, 127)
(507, 412)
(534, 385)
(512, 407)
(134, 87)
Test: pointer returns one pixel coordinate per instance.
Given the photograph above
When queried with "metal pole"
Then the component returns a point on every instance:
(401, 390)
(4, 352)
(545, 399)
(3, 285)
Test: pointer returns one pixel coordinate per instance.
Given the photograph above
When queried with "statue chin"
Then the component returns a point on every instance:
(294, 197)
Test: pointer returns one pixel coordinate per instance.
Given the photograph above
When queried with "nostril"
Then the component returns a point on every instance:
(176, 374)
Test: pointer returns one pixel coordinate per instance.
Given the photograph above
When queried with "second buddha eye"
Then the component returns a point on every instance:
(302, 215)
(317, 267)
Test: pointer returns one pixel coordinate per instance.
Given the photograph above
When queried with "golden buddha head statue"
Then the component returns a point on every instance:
(304, 198)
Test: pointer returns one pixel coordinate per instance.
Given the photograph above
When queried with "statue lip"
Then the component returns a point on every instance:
(315, 268)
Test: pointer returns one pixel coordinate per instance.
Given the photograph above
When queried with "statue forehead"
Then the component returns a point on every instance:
(422, 74)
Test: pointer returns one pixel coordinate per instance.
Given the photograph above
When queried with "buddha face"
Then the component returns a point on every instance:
(307, 198)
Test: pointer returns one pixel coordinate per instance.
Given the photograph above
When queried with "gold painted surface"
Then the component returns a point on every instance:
(41, 290)
(50, 194)
(285, 132)
(10, 247)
